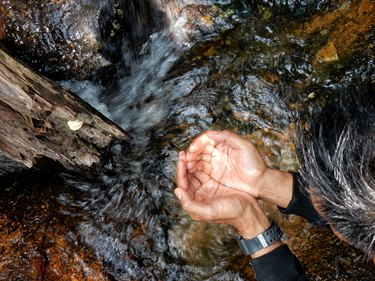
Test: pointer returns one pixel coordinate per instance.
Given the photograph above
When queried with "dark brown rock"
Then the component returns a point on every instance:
(55, 37)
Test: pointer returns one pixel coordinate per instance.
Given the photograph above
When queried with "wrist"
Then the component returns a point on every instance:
(266, 250)
(253, 222)
(248, 231)
(276, 187)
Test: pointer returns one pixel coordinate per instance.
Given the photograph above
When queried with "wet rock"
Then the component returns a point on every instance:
(55, 37)
(279, 59)
(204, 19)
(65, 39)
(321, 253)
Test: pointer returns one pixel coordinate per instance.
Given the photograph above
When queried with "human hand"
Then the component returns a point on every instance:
(223, 158)
(217, 203)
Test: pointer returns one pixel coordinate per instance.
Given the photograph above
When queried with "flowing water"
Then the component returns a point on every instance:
(247, 68)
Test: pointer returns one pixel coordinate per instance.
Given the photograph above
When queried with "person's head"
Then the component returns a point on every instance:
(337, 155)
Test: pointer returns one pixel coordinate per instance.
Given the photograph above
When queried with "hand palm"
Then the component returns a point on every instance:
(225, 203)
(224, 165)
(212, 177)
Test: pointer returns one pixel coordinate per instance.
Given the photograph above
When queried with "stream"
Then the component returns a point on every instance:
(254, 67)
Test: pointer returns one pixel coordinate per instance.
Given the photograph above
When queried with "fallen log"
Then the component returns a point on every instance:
(39, 118)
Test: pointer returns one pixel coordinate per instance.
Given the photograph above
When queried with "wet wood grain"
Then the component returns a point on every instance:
(34, 120)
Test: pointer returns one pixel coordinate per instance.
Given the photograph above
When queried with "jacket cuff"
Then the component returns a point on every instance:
(279, 264)
(301, 204)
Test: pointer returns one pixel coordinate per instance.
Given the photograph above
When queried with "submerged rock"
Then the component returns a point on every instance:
(328, 53)
(37, 241)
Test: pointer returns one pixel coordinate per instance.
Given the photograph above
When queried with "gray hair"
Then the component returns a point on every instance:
(337, 155)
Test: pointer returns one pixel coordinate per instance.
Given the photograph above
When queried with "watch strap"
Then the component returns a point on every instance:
(261, 241)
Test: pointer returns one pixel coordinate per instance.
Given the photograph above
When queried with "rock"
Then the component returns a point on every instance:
(75, 39)
(60, 38)
(328, 53)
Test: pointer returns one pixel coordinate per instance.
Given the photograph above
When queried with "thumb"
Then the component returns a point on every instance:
(200, 209)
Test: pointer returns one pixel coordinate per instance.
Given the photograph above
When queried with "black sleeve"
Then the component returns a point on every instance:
(301, 204)
(278, 265)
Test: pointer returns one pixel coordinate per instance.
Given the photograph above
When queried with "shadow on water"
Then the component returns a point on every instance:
(254, 72)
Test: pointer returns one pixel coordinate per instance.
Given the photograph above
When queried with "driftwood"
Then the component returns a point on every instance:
(39, 118)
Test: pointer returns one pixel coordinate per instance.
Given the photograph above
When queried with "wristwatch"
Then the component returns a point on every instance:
(261, 241)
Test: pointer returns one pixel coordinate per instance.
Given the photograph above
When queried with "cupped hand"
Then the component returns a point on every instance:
(206, 199)
(223, 158)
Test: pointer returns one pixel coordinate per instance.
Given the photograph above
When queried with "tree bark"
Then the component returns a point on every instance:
(40, 118)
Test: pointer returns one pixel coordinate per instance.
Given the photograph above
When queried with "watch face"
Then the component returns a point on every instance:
(262, 241)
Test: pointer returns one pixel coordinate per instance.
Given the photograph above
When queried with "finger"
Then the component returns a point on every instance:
(183, 195)
(194, 182)
(191, 166)
(199, 142)
(185, 199)
(182, 177)
(201, 166)
(181, 159)
(227, 137)
(182, 156)
(206, 157)
(202, 144)
(182, 180)
(202, 177)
